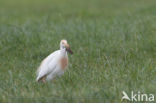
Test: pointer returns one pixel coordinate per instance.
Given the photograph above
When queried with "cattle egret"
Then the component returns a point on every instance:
(55, 64)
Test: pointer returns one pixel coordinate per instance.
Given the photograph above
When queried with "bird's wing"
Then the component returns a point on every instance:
(47, 65)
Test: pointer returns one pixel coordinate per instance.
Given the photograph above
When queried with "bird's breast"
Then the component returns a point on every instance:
(64, 62)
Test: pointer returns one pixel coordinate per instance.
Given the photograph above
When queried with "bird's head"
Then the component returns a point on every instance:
(65, 45)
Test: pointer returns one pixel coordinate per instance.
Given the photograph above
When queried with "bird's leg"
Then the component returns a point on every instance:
(54, 79)
(44, 80)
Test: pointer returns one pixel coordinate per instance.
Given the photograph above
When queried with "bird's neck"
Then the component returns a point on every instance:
(63, 52)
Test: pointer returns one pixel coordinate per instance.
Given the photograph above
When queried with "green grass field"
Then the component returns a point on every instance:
(114, 45)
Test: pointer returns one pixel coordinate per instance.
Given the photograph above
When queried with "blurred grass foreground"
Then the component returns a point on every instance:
(114, 44)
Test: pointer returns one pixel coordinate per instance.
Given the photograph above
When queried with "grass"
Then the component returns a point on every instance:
(114, 44)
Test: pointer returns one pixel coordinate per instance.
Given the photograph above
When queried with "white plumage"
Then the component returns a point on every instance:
(55, 64)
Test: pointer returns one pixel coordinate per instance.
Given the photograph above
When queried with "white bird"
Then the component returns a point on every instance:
(55, 64)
